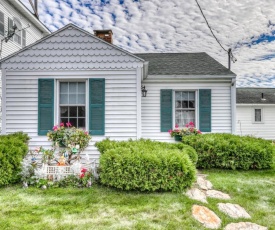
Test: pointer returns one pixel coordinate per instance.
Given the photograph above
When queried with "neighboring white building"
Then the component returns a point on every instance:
(29, 29)
(256, 112)
(103, 83)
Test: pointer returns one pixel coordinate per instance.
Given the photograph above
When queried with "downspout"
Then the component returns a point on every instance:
(233, 105)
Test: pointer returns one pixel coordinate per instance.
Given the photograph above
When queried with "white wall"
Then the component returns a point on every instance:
(21, 110)
(221, 107)
(246, 125)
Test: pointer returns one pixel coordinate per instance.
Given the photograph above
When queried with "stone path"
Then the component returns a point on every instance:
(203, 189)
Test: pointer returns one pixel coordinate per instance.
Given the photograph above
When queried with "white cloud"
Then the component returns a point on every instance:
(178, 26)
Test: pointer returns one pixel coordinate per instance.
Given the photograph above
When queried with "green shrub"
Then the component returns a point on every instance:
(147, 144)
(231, 151)
(13, 148)
(146, 165)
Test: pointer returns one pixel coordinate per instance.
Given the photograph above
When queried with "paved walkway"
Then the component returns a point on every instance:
(203, 189)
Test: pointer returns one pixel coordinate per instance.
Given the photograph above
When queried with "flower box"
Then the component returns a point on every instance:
(178, 138)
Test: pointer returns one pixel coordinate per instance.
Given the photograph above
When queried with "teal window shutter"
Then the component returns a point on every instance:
(97, 106)
(166, 111)
(45, 105)
(205, 110)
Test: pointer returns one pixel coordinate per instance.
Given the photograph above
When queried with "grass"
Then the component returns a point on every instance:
(105, 208)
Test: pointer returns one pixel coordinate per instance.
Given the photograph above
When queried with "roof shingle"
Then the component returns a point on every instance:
(254, 95)
(183, 64)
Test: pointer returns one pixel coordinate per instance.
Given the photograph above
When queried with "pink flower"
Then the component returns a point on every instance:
(82, 175)
(191, 124)
(68, 124)
(176, 126)
(83, 170)
(62, 124)
(170, 131)
(55, 128)
(86, 133)
(37, 149)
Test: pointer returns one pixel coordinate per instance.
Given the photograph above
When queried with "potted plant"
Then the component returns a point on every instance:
(176, 133)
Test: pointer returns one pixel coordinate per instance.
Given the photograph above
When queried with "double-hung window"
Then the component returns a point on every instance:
(185, 107)
(72, 103)
(2, 24)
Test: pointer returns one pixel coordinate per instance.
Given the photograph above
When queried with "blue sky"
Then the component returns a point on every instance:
(247, 27)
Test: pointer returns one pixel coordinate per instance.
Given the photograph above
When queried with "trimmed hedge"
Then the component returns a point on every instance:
(146, 165)
(141, 144)
(13, 148)
(229, 151)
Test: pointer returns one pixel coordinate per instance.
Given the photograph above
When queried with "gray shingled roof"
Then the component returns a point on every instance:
(183, 64)
(254, 95)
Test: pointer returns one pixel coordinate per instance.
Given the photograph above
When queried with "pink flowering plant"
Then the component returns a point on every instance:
(189, 129)
(75, 140)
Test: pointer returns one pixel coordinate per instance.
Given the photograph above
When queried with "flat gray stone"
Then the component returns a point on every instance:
(203, 183)
(217, 194)
(205, 216)
(244, 226)
(233, 210)
(196, 194)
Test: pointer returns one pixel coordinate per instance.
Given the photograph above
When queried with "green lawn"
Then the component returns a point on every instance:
(104, 208)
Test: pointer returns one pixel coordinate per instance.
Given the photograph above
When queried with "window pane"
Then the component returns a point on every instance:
(64, 99)
(72, 99)
(81, 99)
(64, 120)
(258, 115)
(81, 122)
(73, 121)
(81, 111)
(81, 87)
(191, 104)
(63, 87)
(64, 111)
(191, 96)
(72, 87)
(73, 111)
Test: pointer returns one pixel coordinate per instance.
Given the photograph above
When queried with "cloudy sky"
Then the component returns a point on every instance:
(245, 26)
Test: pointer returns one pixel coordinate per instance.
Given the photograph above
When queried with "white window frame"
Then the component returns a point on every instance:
(196, 105)
(253, 115)
(57, 100)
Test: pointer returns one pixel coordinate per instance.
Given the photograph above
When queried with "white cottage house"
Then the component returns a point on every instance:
(255, 112)
(72, 75)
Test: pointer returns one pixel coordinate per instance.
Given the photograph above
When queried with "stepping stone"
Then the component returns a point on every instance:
(205, 216)
(233, 210)
(196, 194)
(203, 183)
(217, 194)
(244, 226)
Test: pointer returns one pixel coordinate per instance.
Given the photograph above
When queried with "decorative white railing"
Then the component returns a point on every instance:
(56, 173)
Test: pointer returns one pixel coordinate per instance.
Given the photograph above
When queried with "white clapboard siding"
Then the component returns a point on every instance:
(150, 107)
(246, 125)
(120, 104)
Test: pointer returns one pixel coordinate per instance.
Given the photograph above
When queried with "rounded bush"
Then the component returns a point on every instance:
(230, 151)
(13, 148)
(146, 169)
